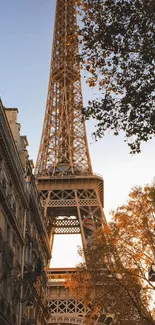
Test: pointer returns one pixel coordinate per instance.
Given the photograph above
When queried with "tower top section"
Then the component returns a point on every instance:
(63, 148)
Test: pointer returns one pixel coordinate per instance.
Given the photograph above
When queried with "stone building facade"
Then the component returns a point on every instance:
(24, 245)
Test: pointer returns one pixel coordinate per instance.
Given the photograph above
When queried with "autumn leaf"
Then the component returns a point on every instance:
(115, 275)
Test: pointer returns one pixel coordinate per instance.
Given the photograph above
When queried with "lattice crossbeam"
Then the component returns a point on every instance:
(66, 306)
(65, 226)
(71, 196)
(63, 148)
(67, 231)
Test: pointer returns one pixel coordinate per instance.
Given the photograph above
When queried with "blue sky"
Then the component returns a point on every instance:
(26, 29)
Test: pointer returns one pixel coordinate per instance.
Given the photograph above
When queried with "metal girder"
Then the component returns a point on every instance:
(63, 307)
(63, 148)
(72, 205)
(71, 195)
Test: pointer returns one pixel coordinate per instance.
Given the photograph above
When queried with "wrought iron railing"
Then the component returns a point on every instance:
(1, 240)
(17, 265)
(7, 311)
(8, 254)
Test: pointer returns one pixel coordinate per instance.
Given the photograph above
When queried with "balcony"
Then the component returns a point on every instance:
(8, 254)
(3, 183)
(1, 240)
(35, 246)
(9, 316)
(17, 265)
(9, 204)
(29, 322)
(14, 208)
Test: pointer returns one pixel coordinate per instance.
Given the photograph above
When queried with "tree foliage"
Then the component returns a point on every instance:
(115, 277)
(118, 53)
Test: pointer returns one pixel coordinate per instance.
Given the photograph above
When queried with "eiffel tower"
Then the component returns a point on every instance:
(71, 195)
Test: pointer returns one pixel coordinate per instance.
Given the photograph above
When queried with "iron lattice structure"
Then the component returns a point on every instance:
(71, 195)
(63, 146)
(65, 309)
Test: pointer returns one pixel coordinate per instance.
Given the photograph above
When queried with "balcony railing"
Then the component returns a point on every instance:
(1, 240)
(3, 182)
(17, 265)
(34, 244)
(10, 202)
(29, 322)
(7, 311)
(8, 254)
